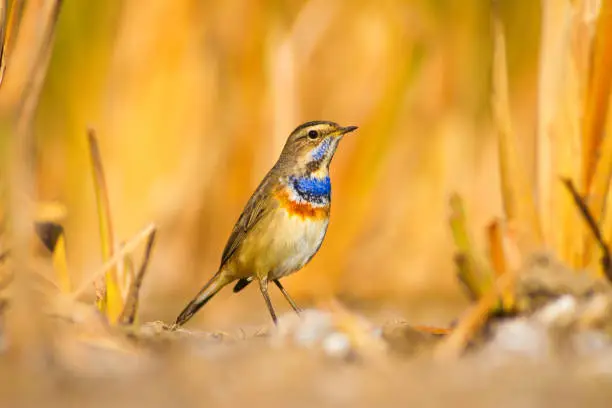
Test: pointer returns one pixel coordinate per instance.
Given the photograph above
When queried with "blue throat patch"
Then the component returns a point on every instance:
(317, 190)
(319, 152)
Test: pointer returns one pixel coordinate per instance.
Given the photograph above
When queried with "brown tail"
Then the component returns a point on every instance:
(214, 285)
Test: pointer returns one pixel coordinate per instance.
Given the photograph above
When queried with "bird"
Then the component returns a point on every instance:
(284, 222)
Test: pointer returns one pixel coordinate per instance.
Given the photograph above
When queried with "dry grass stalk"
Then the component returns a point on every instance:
(606, 259)
(598, 149)
(126, 274)
(128, 316)
(3, 28)
(517, 191)
(606, 222)
(519, 207)
(472, 270)
(553, 43)
(117, 257)
(19, 98)
(475, 318)
(498, 260)
(564, 132)
(598, 93)
(111, 301)
(438, 331)
(598, 196)
(11, 12)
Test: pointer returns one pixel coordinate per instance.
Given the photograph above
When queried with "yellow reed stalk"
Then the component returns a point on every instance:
(553, 42)
(21, 85)
(559, 138)
(497, 257)
(9, 11)
(517, 191)
(599, 197)
(471, 270)
(111, 302)
(606, 223)
(3, 28)
(598, 94)
(126, 272)
(597, 148)
(567, 229)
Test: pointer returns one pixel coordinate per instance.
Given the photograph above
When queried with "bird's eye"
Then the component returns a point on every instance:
(313, 134)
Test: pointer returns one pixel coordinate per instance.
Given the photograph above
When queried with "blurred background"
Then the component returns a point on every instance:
(193, 100)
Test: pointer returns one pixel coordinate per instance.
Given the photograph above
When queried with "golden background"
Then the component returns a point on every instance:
(192, 101)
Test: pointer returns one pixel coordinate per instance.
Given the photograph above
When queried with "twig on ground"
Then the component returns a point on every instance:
(606, 259)
(131, 302)
(129, 246)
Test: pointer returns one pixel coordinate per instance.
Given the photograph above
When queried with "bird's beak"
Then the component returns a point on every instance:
(345, 130)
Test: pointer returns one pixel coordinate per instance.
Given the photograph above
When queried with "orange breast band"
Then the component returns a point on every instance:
(302, 209)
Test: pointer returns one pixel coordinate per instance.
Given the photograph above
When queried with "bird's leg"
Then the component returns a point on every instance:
(263, 286)
(286, 295)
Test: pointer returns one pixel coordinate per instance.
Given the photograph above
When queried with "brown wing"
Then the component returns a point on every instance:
(257, 206)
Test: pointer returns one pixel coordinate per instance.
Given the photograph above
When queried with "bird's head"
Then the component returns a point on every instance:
(312, 145)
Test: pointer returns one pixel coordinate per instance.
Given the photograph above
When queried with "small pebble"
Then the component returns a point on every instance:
(337, 345)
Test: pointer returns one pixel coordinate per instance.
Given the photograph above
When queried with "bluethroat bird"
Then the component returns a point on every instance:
(285, 220)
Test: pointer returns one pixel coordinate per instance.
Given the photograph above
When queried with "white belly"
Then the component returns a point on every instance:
(296, 243)
(281, 245)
